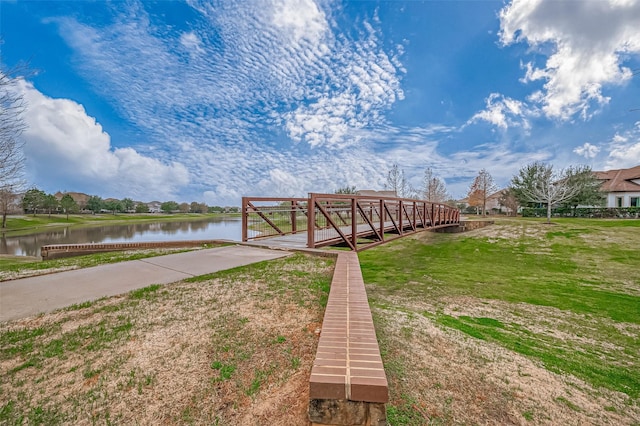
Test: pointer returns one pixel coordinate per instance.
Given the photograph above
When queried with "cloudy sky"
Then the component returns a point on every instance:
(212, 100)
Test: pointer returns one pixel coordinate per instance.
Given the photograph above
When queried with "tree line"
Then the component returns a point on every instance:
(539, 184)
(536, 184)
(36, 201)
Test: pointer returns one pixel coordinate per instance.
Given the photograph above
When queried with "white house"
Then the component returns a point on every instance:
(374, 193)
(622, 186)
(154, 206)
(494, 202)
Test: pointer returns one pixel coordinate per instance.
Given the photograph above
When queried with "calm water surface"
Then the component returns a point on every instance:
(218, 228)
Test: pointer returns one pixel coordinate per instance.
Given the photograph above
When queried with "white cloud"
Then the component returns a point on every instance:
(303, 19)
(358, 82)
(329, 121)
(589, 40)
(503, 112)
(624, 149)
(271, 93)
(415, 149)
(498, 158)
(64, 144)
(281, 104)
(587, 150)
(282, 182)
(624, 156)
(191, 41)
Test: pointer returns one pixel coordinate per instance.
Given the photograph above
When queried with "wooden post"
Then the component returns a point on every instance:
(311, 221)
(294, 225)
(354, 223)
(245, 221)
(382, 215)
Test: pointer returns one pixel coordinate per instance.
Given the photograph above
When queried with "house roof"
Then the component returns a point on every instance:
(374, 193)
(498, 194)
(620, 180)
(78, 197)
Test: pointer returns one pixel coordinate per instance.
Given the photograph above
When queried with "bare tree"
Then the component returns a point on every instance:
(510, 201)
(537, 182)
(397, 182)
(11, 146)
(433, 188)
(9, 202)
(481, 188)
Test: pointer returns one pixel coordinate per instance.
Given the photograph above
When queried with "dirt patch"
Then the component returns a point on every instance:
(510, 230)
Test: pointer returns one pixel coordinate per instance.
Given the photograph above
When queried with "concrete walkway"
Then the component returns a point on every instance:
(30, 296)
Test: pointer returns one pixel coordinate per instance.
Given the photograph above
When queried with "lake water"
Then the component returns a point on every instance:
(213, 229)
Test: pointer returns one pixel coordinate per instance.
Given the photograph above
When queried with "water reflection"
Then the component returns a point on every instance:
(218, 228)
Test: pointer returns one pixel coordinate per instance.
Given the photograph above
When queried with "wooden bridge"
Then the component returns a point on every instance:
(355, 221)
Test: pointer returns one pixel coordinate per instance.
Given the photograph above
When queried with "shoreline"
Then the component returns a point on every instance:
(46, 223)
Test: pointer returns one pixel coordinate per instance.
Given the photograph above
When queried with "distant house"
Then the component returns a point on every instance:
(154, 206)
(494, 202)
(621, 187)
(80, 198)
(373, 193)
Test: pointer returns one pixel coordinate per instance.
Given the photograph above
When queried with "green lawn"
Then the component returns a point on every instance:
(584, 274)
(26, 224)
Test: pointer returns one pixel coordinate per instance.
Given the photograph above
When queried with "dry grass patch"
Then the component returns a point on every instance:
(232, 348)
(441, 376)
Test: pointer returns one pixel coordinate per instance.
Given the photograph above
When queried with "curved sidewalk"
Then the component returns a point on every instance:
(45, 293)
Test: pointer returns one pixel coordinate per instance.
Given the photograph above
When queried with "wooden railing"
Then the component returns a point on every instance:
(363, 221)
(264, 217)
(356, 221)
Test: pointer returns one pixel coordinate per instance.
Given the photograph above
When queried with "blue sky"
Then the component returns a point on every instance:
(212, 100)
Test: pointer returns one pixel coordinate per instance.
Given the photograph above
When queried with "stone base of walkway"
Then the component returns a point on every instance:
(324, 412)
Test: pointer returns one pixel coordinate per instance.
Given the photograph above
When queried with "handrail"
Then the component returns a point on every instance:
(357, 221)
(371, 225)
(286, 210)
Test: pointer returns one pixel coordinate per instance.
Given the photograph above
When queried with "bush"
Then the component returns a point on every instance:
(585, 212)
